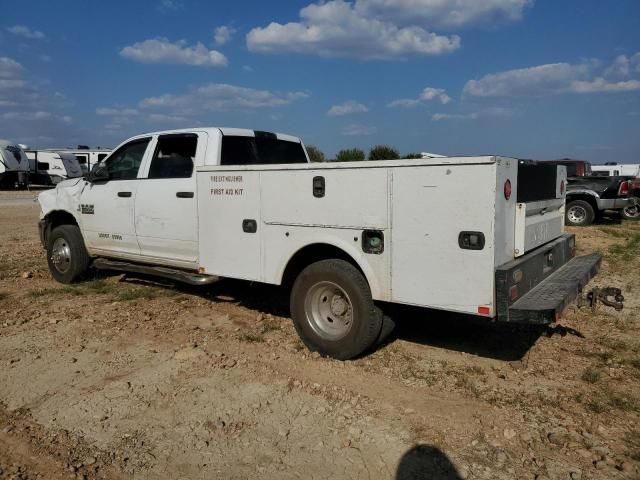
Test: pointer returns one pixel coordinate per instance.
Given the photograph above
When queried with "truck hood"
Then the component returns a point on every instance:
(66, 196)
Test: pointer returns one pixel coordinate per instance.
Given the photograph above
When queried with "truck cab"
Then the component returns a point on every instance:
(140, 202)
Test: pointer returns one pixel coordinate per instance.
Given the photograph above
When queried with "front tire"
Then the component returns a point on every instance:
(579, 213)
(333, 311)
(66, 254)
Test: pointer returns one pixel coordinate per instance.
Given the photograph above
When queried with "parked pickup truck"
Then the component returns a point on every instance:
(589, 195)
(195, 205)
(631, 172)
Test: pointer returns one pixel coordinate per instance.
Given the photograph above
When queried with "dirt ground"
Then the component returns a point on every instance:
(123, 377)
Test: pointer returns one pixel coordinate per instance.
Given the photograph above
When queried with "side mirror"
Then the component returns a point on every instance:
(99, 173)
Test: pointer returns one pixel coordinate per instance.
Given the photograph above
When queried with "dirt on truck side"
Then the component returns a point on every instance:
(124, 376)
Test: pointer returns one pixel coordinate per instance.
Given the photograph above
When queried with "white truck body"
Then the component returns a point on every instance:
(623, 169)
(434, 233)
(14, 164)
(49, 167)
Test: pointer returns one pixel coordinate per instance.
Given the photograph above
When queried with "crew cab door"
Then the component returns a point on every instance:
(166, 216)
(107, 207)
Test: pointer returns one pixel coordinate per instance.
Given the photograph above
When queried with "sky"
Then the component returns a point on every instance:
(537, 79)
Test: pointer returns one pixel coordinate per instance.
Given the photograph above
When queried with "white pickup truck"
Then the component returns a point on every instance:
(195, 205)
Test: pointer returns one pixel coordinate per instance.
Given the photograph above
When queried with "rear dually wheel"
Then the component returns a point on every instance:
(333, 311)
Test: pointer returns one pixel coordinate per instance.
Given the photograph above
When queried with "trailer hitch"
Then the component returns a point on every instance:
(602, 295)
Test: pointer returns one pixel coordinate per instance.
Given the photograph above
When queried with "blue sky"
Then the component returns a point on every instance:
(526, 78)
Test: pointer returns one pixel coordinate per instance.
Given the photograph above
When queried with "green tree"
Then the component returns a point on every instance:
(383, 152)
(315, 154)
(350, 155)
(413, 155)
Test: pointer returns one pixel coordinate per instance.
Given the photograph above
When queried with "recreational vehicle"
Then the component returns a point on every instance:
(14, 165)
(50, 168)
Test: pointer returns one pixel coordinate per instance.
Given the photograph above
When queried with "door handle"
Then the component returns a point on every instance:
(124, 194)
(184, 194)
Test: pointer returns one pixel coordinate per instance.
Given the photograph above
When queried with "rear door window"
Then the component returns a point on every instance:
(264, 149)
(174, 156)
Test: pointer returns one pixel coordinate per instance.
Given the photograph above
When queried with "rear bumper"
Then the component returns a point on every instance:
(537, 287)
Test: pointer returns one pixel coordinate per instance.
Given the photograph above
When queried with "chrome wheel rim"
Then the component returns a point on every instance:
(632, 211)
(577, 214)
(329, 310)
(61, 255)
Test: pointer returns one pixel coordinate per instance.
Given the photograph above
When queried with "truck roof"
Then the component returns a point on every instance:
(241, 132)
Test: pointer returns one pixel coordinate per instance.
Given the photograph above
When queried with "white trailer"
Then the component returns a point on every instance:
(617, 170)
(87, 157)
(14, 165)
(195, 205)
(50, 168)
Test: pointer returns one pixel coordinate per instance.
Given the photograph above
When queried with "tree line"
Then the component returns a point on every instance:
(378, 152)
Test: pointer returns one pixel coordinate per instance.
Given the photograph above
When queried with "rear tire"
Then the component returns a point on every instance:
(333, 311)
(579, 213)
(66, 254)
(631, 212)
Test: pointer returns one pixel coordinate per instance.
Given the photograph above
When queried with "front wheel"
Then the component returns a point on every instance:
(579, 213)
(66, 254)
(333, 311)
(632, 211)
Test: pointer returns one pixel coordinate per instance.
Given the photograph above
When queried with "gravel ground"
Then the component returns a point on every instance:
(124, 376)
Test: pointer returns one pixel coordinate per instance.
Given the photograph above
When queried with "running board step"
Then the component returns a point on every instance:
(546, 302)
(164, 272)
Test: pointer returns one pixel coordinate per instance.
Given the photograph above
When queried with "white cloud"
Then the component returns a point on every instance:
(428, 94)
(120, 112)
(337, 29)
(436, 117)
(31, 109)
(347, 108)
(162, 118)
(161, 50)
(602, 85)
(9, 68)
(559, 78)
(247, 68)
(170, 5)
(26, 32)
(220, 96)
(356, 130)
(539, 80)
(35, 116)
(623, 66)
(223, 34)
(447, 13)
(495, 112)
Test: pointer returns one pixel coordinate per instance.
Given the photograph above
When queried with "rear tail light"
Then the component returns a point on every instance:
(623, 189)
(513, 293)
(484, 310)
(507, 189)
